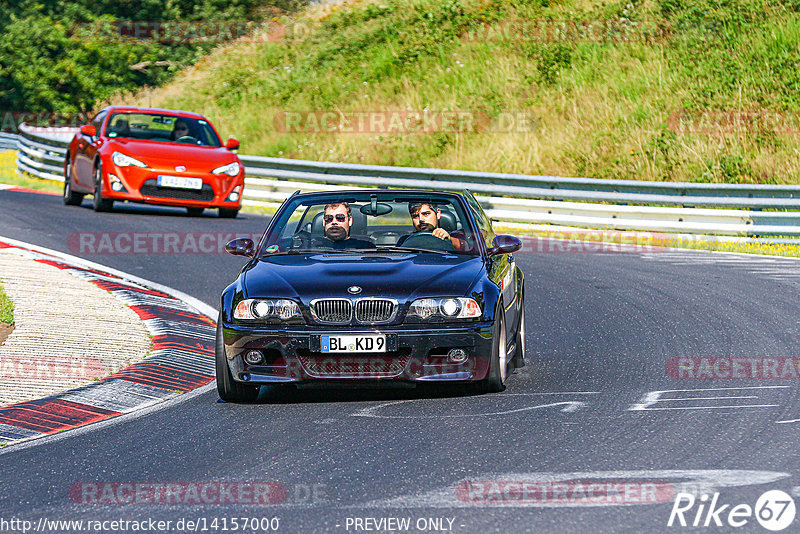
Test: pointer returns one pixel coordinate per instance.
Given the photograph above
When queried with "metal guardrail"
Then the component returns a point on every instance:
(8, 141)
(583, 202)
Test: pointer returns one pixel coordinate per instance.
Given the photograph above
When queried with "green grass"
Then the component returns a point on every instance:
(6, 308)
(8, 175)
(599, 108)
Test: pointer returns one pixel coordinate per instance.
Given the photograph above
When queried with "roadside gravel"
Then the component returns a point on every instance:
(68, 332)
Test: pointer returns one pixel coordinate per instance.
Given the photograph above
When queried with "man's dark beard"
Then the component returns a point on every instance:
(425, 227)
(336, 233)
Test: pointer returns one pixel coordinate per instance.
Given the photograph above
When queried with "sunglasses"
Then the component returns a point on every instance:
(184, 128)
(339, 217)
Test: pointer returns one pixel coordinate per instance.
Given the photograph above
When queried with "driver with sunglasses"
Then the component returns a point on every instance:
(337, 221)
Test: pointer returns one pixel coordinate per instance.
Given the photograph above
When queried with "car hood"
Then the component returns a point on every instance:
(157, 154)
(402, 276)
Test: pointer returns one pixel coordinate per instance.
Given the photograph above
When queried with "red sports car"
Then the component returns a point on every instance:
(157, 156)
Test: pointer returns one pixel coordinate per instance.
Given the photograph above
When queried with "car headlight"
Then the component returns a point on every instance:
(122, 160)
(231, 169)
(439, 309)
(267, 310)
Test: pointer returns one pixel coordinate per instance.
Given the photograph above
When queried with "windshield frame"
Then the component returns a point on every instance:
(113, 113)
(290, 205)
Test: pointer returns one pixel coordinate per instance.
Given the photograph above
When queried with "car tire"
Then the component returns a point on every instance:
(195, 212)
(228, 389)
(498, 362)
(71, 198)
(225, 213)
(519, 341)
(98, 202)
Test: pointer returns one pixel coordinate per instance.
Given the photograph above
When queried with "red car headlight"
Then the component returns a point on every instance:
(123, 160)
(231, 169)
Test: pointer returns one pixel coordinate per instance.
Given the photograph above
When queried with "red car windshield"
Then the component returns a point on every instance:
(169, 128)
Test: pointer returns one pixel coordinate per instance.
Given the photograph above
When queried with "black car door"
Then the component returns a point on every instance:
(502, 269)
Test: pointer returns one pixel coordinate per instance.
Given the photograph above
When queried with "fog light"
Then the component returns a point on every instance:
(457, 356)
(116, 184)
(234, 196)
(253, 357)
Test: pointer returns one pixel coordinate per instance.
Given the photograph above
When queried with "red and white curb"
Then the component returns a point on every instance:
(182, 359)
(21, 189)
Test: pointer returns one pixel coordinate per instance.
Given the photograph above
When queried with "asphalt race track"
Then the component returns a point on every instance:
(595, 405)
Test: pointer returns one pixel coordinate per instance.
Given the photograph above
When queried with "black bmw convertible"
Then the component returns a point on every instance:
(372, 286)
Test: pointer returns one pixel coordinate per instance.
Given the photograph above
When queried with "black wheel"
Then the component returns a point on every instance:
(98, 202)
(195, 212)
(498, 363)
(226, 213)
(71, 198)
(228, 389)
(519, 341)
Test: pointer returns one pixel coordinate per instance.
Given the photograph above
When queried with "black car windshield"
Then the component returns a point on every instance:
(372, 222)
(156, 127)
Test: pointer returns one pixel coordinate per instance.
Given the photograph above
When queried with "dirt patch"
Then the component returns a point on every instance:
(5, 330)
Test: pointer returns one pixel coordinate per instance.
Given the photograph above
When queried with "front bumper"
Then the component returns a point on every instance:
(141, 186)
(414, 354)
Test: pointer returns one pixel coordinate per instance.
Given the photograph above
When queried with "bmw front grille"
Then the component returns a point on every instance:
(368, 310)
(375, 310)
(332, 311)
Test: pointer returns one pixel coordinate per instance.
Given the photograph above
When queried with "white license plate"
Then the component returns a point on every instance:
(181, 182)
(366, 343)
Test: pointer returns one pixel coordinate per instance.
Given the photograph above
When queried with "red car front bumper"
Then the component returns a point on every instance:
(141, 185)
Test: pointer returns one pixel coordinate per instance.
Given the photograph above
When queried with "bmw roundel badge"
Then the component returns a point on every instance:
(354, 290)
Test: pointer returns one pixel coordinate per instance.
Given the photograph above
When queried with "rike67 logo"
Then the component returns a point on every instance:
(774, 510)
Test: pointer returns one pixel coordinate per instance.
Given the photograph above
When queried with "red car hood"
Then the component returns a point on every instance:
(157, 154)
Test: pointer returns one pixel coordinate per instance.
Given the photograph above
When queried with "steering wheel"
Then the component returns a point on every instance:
(186, 139)
(428, 241)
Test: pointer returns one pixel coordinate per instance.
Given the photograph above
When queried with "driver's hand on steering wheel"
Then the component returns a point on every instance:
(441, 233)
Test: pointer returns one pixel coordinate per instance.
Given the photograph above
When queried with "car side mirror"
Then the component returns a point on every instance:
(505, 244)
(241, 246)
(89, 129)
(232, 144)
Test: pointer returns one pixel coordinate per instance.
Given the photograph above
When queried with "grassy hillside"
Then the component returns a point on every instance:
(600, 106)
